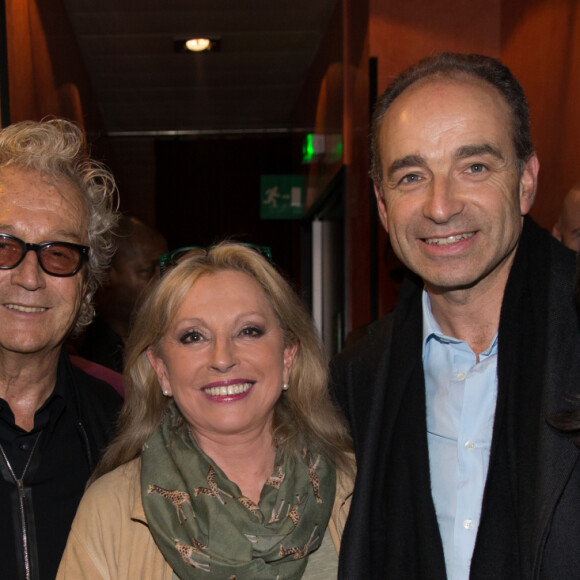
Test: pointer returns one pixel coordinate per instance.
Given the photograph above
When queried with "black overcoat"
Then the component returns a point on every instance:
(530, 521)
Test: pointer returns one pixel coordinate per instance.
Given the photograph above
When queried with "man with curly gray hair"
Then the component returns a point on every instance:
(57, 209)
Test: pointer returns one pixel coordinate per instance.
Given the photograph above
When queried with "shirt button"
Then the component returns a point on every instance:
(24, 446)
(470, 446)
(468, 524)
(460, 376)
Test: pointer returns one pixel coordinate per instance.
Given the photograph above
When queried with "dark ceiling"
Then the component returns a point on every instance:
(143, 87)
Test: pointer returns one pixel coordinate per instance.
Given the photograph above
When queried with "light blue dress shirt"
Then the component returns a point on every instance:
(461, 396)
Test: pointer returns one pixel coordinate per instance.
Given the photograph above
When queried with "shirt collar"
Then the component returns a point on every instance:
(432, 330)
(52, 408)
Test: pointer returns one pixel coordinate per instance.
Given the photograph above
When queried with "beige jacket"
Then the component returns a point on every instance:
(110, 538)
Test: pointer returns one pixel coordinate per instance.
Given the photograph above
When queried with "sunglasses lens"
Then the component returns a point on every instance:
(60, 259)
(10, 252)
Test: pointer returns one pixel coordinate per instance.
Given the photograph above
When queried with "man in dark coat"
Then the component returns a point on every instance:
(57, 208)
(459, 473)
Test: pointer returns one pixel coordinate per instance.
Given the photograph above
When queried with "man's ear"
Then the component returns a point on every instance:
(529, 183)
(381, 206)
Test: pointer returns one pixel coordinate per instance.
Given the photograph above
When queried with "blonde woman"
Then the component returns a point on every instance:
(226, 461)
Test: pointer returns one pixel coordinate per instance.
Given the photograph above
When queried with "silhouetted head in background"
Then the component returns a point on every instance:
(134, 265)
(567, 229)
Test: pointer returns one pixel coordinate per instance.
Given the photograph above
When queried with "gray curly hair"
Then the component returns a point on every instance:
(58, 148)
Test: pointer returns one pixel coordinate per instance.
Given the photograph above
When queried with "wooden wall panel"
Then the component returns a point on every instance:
(356, 158)
(541, 44)
(21, 27)
(45, 68)
(403, 32)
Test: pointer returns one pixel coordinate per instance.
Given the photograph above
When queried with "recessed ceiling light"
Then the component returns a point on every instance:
(207, 44)
(197, 44)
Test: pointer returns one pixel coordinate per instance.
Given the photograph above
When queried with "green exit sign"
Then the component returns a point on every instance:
(318, 147)
(281, 197)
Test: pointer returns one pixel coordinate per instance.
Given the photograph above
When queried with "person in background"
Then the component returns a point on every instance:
(57, 209)
(134, 264)
(567, 228)
(101, 372)
(230, 454)
(460, 475)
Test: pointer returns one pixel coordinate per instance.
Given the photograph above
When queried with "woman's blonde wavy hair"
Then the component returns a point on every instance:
(58, 148)
(304, 416)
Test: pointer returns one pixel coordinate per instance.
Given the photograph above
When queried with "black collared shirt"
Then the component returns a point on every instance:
(18, 443)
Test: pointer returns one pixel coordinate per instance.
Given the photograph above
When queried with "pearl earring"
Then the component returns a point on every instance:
(165, 392)
(285, 386)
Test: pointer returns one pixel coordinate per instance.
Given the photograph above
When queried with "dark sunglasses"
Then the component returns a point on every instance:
(172, 258)
(55, 258)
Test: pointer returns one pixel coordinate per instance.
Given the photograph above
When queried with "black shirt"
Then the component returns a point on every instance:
(17, 443)
(59, 455)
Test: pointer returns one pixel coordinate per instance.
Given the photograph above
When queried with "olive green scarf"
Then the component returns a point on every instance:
(205, 528)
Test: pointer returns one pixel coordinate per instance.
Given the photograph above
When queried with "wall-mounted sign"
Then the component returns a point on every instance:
(282, 197)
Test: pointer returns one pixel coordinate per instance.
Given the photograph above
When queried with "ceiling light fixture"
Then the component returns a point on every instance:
(207, 44)
(197, 44)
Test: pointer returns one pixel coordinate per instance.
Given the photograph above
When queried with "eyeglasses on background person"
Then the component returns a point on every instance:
(172, 258)
(55, 258)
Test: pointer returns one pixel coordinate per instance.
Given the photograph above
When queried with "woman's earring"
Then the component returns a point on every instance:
(285, 386)
(165, 392)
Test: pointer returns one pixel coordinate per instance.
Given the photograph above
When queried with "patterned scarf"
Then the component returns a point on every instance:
(205, 528)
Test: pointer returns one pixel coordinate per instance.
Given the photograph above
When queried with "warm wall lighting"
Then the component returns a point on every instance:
(208, 44)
